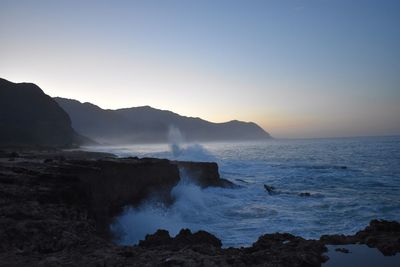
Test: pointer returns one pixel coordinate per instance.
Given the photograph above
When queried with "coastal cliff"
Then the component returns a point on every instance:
(101, 183)
(56, 208)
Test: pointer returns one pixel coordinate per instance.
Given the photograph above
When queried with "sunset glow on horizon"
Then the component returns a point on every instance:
(292, 67)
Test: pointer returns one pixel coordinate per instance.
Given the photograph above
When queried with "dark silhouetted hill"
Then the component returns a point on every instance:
(29, 117)
(147, 124)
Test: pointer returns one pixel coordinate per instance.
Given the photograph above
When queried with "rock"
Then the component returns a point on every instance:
(203, 173)
(271, 240)
(297, 251)
(343, 250)
(304, 194)
(110, 185)
(159, 238)
(104, 185)
(55, 213)
(384, 235)
(185, 237)
(270, 189)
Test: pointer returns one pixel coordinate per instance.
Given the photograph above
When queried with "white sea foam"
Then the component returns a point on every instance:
(343, 200)
(135, 223)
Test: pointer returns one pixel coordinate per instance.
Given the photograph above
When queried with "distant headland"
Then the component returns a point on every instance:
(30, 117)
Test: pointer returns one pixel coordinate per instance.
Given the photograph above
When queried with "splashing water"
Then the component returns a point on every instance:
(182, 151)
(350, 181)
(135, 223)
(175, 139)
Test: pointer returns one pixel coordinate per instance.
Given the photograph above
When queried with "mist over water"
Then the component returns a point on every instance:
(351, 181)
(182, 151)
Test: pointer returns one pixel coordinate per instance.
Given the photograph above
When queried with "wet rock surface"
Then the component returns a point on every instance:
(343, 250)
(203, 175)
(270, 189)
(380, 234)
(55, 208)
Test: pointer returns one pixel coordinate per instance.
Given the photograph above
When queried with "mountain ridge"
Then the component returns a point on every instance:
(148, 124)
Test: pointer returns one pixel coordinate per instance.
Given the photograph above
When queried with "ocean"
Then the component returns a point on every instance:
(350, 180)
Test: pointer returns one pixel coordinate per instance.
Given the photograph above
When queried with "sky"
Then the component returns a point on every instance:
(299, 68)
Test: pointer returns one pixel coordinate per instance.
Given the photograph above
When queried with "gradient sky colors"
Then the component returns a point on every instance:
(300, 68)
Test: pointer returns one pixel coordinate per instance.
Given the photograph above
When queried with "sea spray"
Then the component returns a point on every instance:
(175, 139)
(352, 196)
(134, 223)
(188, 210)
(181, 150)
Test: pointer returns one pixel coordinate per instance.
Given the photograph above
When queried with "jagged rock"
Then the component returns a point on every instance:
(384, 235)
(51, 215)
(185, 238)
(204, 174)
(270, 189)
(159, 238)
(105, 185)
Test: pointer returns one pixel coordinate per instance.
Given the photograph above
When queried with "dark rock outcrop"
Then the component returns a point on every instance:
(102, 184)
(203, 174)
(147, 124)
(269, 250)
(111, 184)
(270, 189)
(380, 234)
(297, 251)
(185, 238)
(29, 117)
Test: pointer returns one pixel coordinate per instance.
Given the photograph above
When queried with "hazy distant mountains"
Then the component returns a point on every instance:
(147, 124)
(29, 117)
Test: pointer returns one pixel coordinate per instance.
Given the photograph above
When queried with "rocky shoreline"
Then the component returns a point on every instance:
(56, 208)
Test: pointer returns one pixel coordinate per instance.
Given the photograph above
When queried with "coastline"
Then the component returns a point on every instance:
(53, 215)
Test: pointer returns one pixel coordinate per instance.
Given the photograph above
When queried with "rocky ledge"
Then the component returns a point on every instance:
(55, 209)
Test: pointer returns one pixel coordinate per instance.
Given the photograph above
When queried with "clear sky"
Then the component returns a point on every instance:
(300, 68)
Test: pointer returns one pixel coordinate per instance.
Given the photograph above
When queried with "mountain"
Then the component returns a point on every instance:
(29, 117)
(147, 124)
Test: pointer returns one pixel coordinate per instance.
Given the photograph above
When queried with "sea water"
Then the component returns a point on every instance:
(350, 180)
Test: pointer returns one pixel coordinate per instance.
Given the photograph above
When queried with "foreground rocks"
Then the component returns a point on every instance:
(55, 208)
(380, 234)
